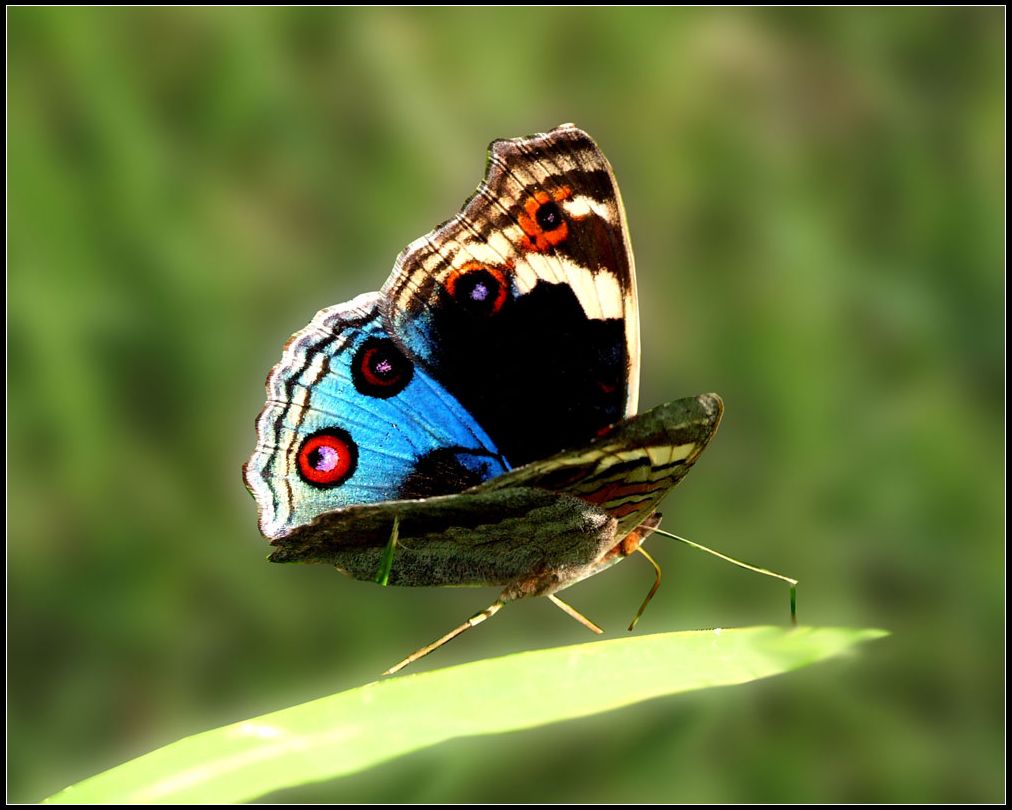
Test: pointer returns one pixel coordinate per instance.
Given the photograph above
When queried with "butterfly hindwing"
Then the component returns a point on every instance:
(350, 419)
(522, 537)
(524, 304)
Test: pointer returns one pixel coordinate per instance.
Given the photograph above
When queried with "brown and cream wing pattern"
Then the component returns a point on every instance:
(524, 303)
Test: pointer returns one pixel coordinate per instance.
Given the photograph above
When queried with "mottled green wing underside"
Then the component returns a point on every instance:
(481, 538)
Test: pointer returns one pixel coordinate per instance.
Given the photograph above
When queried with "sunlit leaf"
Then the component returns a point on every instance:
(360, 728)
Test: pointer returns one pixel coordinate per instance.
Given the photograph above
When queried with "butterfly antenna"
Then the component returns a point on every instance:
(572, 611)
(476, 619)
(792, 582)
(653, 590)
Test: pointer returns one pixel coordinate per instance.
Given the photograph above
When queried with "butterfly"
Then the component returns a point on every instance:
(474, 422)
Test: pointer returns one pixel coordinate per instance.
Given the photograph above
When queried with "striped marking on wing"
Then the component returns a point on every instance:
(631, 483)
(627, 483)
(628, 472)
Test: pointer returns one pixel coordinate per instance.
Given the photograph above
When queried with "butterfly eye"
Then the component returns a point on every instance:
(380, 369)
(328, 458)
(543, 220)
(479, 288)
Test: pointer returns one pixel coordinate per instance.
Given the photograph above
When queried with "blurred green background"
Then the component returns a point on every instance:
(816, 202)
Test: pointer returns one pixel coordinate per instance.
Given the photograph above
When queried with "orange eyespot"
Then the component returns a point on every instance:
(544, 221)
(328, 458)
(479, 288)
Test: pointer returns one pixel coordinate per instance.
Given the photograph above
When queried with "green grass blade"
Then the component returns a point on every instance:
(357, 729)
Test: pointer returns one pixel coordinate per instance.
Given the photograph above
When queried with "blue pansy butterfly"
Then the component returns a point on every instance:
(473, 423)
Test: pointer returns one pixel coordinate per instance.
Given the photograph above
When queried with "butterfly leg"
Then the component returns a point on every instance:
(571, 611)
(476, 619)
(789, 580)
(653, 590)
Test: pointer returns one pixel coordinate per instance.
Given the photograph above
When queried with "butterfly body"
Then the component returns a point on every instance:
(473, 422)
(534, 530)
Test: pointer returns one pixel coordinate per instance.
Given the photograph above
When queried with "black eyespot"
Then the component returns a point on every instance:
(328, 458)
(549, 216)
(380, 369)
(478, 288)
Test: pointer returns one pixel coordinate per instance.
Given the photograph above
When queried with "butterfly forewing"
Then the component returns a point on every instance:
(628, 472)
(524, 304)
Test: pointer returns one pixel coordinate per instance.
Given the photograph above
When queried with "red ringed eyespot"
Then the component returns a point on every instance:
(543, 220)
(479, 288)
(380, 369)
(328, 458)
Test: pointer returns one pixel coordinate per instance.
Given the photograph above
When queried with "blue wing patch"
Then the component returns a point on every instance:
(350, 419)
